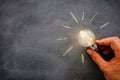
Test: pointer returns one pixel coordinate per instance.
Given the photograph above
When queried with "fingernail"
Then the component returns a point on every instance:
(97, 40)
(89, 52)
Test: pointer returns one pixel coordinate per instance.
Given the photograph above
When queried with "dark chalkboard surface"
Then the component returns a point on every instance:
(30, 48)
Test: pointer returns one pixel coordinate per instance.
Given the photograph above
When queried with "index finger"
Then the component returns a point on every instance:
(113, 42)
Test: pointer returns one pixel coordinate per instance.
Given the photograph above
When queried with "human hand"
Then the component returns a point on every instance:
(111, 68)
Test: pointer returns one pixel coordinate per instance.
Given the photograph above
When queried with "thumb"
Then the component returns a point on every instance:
(97, 58)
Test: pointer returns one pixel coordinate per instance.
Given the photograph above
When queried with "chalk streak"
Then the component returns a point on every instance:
(104, 25)
(62, 38)
(68, 50)
(66, 26)
(93, 17)
(83, 16)
(74, 17)
(82, 58)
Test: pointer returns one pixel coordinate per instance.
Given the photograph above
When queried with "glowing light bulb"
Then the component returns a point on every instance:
(87, 39)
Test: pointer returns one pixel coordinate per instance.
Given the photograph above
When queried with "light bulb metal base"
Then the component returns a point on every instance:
(94, 47)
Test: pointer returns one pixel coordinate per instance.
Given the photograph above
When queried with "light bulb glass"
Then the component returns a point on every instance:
(86, 38)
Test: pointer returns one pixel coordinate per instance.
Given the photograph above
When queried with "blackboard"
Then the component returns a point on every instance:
(30, 32)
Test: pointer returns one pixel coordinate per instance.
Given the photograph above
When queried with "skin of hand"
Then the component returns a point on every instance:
(111, 68)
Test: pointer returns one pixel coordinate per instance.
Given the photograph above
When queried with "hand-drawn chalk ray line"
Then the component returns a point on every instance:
(69, 49)
(104, 25)
(93, 17)
(65, 38)
(74, 17)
